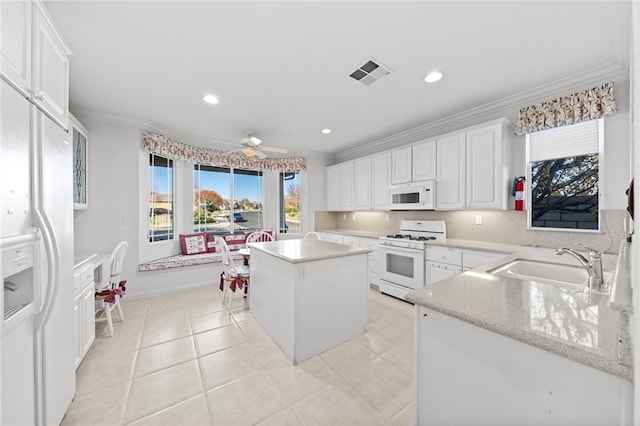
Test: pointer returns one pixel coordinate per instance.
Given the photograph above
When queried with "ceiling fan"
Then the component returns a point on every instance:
(251, 147)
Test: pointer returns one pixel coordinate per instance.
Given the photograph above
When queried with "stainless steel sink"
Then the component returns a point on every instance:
(574, 277)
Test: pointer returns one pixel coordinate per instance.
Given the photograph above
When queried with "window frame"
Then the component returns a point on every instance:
(171, 233)
(282, 214)
(529, 183)
(233, 171)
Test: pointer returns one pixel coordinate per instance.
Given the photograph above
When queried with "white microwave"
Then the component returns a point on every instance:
(413, 196)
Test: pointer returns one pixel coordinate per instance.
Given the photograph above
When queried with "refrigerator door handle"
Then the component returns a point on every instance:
(53, 257)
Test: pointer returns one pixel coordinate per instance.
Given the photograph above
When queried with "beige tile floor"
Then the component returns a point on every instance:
(181, 360)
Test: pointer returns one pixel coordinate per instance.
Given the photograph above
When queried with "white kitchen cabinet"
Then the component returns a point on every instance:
(50, 68)
(503, 381)
(347, 186)
(374, 264)
(473, 258)
(333, 185)
(362, 184)
(442, 263)
(414, 163)
(84, 310)
(487, 172)
(424, 161)
(401, 165)
(380, 178)
(450, 168)
(15, 52)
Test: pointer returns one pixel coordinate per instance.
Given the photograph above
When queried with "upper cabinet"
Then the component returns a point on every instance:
(80, 138)
(362, 184)
(424, 161)
(35, 59)
(401, 165)
(333, 185)
(414, 163)
(488, 159)
(470, 167)
(16, 19)
(50, 68)
(450, 193)
(380, 178)
(473, 168)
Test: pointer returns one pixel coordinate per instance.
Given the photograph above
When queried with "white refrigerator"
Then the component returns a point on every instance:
(36, 237)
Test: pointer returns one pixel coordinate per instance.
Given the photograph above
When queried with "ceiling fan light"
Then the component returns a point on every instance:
(249, 152)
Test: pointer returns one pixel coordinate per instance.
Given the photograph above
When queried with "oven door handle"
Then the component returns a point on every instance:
(400, 249)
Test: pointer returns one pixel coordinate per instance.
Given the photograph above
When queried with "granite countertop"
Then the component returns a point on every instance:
(297, 251)
(583, 326)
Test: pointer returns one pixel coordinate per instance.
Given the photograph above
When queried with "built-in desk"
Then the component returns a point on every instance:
(87, 270)
(309, 295)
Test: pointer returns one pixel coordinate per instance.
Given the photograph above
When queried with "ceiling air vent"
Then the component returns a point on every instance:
(370, 72)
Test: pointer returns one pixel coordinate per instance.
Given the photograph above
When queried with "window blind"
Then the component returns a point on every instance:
(567, 141)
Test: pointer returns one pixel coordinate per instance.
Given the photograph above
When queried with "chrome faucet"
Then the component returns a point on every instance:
(593, 265)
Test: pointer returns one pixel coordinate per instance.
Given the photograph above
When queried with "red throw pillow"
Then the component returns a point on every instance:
(211, 243)
(193, 243)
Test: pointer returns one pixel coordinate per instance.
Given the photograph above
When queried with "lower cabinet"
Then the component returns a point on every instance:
(465, 373)
(84, 312)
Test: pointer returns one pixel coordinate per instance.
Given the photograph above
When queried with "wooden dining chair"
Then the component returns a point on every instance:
(258, 237)
(111, 289)
(233, 277)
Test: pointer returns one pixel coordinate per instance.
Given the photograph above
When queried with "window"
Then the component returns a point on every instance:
(160, 198)
(564, 171)
(226, 200)
(290, 203)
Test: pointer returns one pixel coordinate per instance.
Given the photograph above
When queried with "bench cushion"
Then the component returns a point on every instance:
(180, 260)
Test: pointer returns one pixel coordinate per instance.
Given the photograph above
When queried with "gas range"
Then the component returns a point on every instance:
(416, 234)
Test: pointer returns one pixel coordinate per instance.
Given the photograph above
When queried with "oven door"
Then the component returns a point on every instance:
(402, 266)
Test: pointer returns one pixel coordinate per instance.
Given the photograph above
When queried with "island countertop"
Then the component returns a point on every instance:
(582, 326)
(297, 251)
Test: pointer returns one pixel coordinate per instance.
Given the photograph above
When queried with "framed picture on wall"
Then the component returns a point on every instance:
(80, 165)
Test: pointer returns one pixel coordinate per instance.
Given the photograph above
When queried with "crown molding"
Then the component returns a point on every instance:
(590, 78)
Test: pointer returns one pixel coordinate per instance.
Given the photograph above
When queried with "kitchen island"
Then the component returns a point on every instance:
(309, 295)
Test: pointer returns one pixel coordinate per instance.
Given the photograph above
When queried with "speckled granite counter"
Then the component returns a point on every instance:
(581, 326)
(296, 251)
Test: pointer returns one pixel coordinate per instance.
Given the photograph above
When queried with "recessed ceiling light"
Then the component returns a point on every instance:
(210, 99)
(325, 131)
(433, 76)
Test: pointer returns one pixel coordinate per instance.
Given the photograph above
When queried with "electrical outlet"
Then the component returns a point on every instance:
(344, 217)
(303, 271)
(353, 216)
(478, 220)
(386, 218)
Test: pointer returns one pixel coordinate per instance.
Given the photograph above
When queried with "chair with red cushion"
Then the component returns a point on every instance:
(111, 289)
(233, 277)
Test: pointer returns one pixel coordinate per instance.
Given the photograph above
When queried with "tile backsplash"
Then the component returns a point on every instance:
(508, 227)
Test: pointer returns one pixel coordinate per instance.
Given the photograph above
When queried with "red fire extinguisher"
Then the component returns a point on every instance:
(517, 190)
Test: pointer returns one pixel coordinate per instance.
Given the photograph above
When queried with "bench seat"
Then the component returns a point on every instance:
(180, 260)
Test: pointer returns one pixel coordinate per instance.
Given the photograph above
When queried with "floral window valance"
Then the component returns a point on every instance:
(575, 108)
(155, 143)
